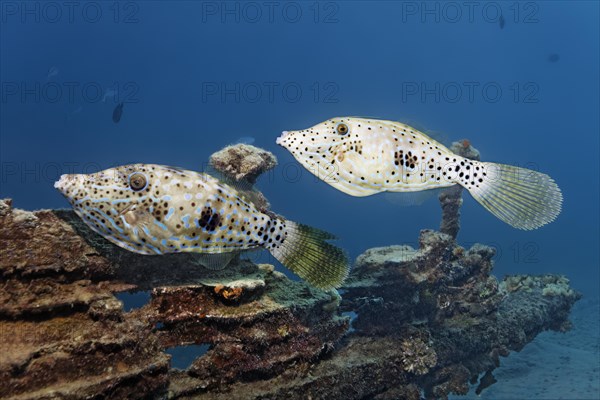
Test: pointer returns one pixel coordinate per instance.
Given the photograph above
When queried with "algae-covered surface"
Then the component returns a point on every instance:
(430, 320)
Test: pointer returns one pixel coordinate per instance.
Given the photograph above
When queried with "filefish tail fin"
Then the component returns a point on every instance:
(306, 252)
(522, 198)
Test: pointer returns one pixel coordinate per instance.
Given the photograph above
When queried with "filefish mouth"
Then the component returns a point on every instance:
(281, 138)
(69, 184)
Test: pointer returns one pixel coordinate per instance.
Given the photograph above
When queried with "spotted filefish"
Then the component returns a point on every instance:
(362, 157)
(153, 209)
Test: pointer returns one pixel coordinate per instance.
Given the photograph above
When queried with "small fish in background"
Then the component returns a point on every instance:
(553, 58)
(245, 140)
(110, 92)
(117, 113)
(153, 209)
(52, 72)
(501, 21)
(361, 157)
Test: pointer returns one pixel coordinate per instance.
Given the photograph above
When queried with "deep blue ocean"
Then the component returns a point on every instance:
(196, 76)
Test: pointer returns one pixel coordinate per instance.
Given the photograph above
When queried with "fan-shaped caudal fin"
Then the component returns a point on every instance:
(307, 253)
(522, 198)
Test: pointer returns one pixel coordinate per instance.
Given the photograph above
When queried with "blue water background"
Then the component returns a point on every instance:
(167, 60)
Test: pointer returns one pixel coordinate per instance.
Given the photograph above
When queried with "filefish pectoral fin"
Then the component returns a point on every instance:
(130, 207)
(217, 261)
(136, 217)
(142, 225)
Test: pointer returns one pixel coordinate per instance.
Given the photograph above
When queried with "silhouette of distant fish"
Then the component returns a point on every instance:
(501, 22)
(117, 113)
(553, 57)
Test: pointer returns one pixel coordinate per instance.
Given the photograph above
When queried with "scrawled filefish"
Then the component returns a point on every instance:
(362, 157)
(154, 209)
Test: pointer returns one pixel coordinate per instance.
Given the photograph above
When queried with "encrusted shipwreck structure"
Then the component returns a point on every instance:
(428, 321)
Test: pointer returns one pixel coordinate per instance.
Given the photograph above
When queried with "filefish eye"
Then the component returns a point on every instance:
(138, 181)
(342, 129)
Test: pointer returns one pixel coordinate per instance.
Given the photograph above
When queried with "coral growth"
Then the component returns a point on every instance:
(550, 285)
(243, 162)
(417, 356)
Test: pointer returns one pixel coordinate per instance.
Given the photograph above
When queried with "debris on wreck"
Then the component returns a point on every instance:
(450, 297)
(430, 320)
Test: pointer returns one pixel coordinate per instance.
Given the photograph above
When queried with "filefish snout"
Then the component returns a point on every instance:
(70, 185)
(281, 139)
(102, 200)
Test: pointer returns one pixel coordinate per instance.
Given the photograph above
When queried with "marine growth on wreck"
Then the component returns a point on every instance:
(428, 321)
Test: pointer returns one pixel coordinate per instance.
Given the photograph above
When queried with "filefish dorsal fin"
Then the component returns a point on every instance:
(435, 135)
(438, 136)
(244, 188)
(240, 185)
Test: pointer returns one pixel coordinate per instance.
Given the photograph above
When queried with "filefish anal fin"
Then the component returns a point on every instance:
(409, 199)
(216, 261)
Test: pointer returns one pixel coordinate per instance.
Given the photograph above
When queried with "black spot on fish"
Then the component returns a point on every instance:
(209, 219)
(117, 113)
